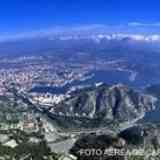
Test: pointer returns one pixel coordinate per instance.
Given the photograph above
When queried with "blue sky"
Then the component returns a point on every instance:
(30, 15)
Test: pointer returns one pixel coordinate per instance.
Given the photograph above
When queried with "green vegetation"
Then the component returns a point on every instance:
(136, 158)
(38, 151)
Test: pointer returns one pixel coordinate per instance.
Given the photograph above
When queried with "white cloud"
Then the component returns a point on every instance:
(135, 24)
(139, 24)
(88, 29)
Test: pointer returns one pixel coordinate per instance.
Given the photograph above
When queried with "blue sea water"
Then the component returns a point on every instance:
(108, 77)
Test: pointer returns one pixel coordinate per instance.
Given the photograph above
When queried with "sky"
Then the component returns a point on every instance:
(30, 15)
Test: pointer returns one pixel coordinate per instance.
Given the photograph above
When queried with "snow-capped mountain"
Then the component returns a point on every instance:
(116, 36)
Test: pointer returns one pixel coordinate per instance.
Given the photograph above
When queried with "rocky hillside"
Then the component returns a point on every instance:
(143, 141)
(104, 104)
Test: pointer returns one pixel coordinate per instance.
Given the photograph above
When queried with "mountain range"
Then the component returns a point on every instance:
(99, 106)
